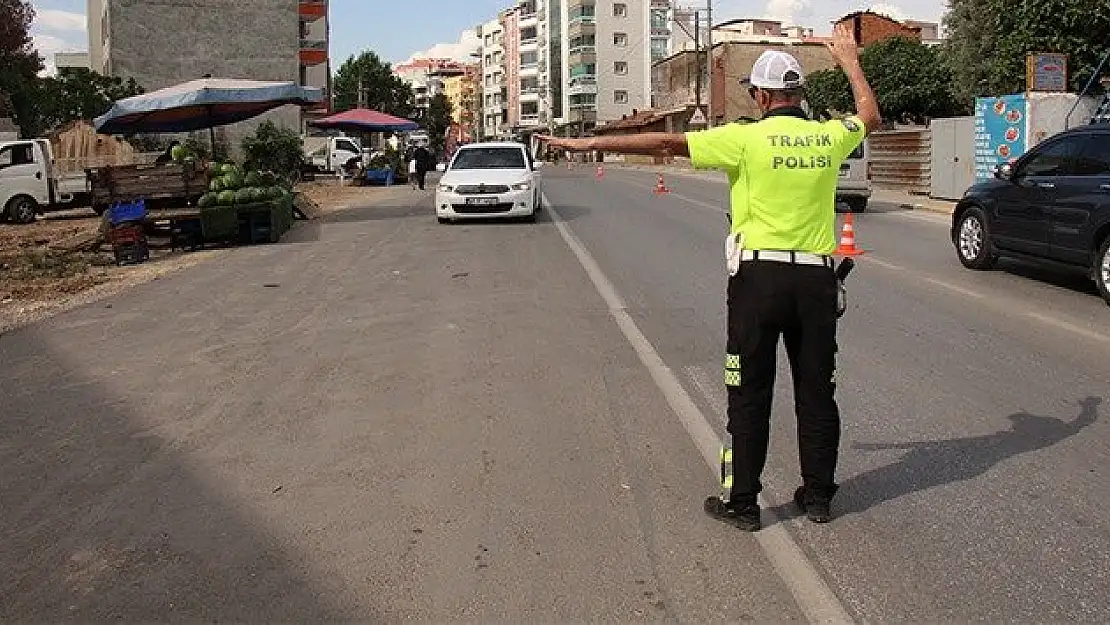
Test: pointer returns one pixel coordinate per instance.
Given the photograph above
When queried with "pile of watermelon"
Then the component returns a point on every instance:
(230, 186)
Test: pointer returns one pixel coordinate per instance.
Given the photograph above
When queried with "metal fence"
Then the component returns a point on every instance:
(900, 159)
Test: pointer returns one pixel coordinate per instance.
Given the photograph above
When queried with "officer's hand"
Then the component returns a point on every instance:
(843, 46)
(572, 145)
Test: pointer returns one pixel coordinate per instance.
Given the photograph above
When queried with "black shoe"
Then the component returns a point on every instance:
(743, 517)
(817, 509)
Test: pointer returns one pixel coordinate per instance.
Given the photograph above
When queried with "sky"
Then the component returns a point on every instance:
(447, 30)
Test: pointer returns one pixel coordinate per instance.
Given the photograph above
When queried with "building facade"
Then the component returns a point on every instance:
(274, 40)
(609, 50)
(75, 60)
(493, 92)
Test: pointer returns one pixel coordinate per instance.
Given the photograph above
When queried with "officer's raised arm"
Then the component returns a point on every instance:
(647, 143)
(846, 53)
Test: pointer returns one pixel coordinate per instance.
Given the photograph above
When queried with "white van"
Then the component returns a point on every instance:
(854, 185)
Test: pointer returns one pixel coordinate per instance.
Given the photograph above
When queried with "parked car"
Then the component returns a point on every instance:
(490, 180)
(1052, 205)
(854, 185)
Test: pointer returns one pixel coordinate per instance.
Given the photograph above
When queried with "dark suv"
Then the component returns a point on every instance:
(1052, 205)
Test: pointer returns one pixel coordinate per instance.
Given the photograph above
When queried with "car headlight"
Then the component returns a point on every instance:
(522, 186)
(446, 188)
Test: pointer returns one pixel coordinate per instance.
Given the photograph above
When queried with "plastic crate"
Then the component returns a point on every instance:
(125, 212)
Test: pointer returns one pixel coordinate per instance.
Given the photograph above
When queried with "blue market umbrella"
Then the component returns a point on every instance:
(199, 104)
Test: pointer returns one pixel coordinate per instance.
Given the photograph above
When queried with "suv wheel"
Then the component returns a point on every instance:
(973, 242)
(1102, 270)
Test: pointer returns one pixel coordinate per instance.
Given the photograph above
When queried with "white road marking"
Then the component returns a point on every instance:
(700, 379)
(957, 289)
(1071, 327)
(882, 263)
(813, 595)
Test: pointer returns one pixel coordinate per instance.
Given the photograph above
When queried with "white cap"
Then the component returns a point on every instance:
(776, 70)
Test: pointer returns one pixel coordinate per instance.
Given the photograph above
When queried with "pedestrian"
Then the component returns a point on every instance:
(412, 171)
(782, 172)
(423, 164)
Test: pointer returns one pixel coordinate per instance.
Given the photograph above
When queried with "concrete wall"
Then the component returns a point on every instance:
(165, 42)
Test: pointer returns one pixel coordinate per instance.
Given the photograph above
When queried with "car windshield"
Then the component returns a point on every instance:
(489, 158)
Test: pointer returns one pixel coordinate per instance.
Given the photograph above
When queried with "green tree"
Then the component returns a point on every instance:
(79, 93)
(274, 148)
(381, 89)
(437, 120)
(988, 41)
(910, 80)
(19, 65)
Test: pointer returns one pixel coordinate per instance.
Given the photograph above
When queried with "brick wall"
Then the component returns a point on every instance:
(872, 28)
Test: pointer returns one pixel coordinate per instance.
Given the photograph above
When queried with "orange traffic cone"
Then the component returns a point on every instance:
(848, 238)
(660, 187)
(600, 172)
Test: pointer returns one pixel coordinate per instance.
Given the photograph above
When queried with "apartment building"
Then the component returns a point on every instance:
(494, 94)
(610, 48)
(161, 43)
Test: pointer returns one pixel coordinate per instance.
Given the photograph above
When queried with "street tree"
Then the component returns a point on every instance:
(79, 93)
(381, 89)
(19, 64)
(988, 41)
(437, 120)
(910, 80)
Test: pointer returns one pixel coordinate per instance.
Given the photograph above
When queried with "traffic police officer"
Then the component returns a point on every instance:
(782, 173)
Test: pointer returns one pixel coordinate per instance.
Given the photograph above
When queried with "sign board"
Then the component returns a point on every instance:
(1046, 71)
(698, 118)
(999, 132)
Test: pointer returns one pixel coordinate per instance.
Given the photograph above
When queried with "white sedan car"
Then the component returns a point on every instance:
(487, 180)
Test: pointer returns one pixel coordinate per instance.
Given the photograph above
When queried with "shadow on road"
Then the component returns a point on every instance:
(1071, 280)
(929, 464)
(103, 518)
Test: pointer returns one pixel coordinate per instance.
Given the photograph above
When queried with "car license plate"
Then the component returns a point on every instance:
(481, 201)
(844, 171)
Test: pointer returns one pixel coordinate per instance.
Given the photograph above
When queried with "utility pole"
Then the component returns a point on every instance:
(709, 59)
(697, 61)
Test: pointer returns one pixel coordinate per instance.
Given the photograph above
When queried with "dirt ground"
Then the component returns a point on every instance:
(41, 274)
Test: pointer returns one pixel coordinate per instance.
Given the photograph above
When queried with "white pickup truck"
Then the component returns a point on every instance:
(331, 154)
(30, 184)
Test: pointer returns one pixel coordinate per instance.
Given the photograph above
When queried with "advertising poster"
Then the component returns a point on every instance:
(999, 132)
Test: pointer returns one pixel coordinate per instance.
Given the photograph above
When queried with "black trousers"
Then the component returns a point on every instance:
(421, 174)
(767, 300)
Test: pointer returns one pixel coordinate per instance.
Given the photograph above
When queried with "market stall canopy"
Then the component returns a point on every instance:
(365, 120)
(200, 104)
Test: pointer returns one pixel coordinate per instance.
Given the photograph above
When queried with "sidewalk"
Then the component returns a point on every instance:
(904, 199)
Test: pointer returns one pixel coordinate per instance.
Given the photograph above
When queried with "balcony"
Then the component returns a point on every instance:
(312, 10)
(580, 55)
(584, 115)
(530, 94)
(313, 52)
(530, 69)
(530, 120)
(582, 88)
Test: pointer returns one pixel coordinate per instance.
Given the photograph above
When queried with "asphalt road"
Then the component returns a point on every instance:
(386, 419)
(971, 475)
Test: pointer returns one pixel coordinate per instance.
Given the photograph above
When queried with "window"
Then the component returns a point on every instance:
(620, 68)
(489, 158)
(1054, 160)
(659, 19)
(1094, 156)
(659, 48)
(529, 58)
(346, 145)
(620, 40)
(20, 154)
(620, 97)
(620, 9)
